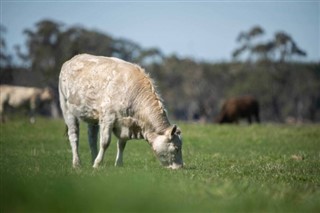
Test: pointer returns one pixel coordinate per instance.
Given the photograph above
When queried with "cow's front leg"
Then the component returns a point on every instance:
(105, 139)
(121, 145)
(93, 138)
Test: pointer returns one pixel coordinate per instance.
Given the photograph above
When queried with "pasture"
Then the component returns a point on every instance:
(229, 168)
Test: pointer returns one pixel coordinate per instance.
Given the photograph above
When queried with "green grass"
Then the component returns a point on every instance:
(258, 168)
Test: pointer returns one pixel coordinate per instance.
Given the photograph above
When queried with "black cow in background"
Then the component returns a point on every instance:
(234, 109)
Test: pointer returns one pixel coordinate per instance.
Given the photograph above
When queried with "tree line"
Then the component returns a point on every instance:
(191, 89)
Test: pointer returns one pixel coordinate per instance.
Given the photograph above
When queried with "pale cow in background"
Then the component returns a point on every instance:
(115, 96)
(18, 96)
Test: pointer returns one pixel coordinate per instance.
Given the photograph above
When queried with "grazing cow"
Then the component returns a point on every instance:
(17, 96)
(113, 95)
(242, 107)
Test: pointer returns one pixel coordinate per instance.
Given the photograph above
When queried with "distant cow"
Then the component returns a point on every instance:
(234, 109)
(18, 96)
(115, 96)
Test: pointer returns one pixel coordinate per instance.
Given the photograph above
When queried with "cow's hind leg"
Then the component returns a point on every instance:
(93, 137)
(121, 146)
(105, 139)
(73, 133)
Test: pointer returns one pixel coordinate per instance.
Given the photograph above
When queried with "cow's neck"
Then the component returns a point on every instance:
(153, 121)
(147, 107)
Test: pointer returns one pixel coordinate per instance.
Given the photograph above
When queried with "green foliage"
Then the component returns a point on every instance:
(257, 168)
(51, 43)
(191, 89)
(283, 90)
(281, 48)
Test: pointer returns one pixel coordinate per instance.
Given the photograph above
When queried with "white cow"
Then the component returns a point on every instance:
(115, 96)
(18, 96)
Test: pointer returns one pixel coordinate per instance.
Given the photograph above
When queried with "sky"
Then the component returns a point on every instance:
(202, 30)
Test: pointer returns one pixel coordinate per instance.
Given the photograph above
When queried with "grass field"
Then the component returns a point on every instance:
(258, 168)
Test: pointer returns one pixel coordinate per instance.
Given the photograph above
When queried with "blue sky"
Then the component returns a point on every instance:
(203, 30)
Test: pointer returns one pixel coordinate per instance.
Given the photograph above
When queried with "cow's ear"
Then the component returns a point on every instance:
(171, 131)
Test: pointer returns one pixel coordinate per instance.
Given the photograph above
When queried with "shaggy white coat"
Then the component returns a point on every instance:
(115, 96)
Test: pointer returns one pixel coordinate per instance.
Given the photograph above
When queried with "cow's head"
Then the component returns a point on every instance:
(168, 147)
